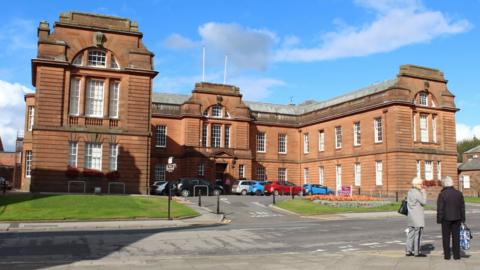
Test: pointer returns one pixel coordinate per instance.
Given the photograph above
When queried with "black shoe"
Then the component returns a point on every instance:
(421, 255)
(446, 258)
(409, 254)
(456, 258)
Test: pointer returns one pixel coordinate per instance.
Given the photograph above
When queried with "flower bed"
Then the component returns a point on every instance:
(343, 198)
(355, 201)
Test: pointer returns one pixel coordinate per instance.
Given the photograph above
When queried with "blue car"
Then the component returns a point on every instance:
(316, 189)
(258, 188)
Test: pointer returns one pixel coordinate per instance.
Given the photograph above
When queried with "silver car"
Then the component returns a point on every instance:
(242, 187)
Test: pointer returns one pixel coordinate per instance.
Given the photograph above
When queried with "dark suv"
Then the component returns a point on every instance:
(193, 186)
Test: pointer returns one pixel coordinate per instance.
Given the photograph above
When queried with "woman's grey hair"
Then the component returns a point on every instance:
(417, 181)
(447, 181)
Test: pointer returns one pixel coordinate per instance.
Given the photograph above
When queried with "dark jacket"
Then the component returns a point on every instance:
(450, 205)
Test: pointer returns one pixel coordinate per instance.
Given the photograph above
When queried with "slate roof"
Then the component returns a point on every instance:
(470, 165)
(474, 150)
(168, 98)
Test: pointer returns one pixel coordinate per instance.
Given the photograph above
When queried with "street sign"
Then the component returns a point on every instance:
(171, 167)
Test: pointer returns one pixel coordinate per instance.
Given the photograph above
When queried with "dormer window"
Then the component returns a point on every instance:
(423, 99)
(216, 111)
(96, 58)
(78, 60)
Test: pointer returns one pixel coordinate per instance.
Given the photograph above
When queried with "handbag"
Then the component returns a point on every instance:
(465, 237)
(403, 207)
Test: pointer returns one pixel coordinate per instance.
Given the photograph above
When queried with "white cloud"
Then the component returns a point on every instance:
(467, 132)
(255, 89)
(12, 112)
(290, 41)
(396, 24)
(178, 42)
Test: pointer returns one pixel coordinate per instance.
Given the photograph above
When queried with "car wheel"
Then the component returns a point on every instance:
(185, 193)
(217, 192)
(275, 192)
(258, 193)
(244, 192)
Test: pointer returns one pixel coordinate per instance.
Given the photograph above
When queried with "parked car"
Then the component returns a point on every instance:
(258, 188)
(242, 186)
(316, 189)
(193, 186)
(286, 187)
(159, 188)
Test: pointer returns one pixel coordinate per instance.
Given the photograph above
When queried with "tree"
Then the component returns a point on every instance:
(465, 145)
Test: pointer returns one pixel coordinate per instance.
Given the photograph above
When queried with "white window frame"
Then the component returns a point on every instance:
(418, 168)
(321, 175)
(31, 117)
(428, 170)
(93, 156)
(357, 137)
(282, 143)
(113, 157)
(414, 127)
(357, 169)
(466, 181)
(378, 127)
(216, 132)
(114, 63)
(338, 177)
(160, 172)
(338, 137)
(321, 140)
(260, 173)
(114, 99)
(73, 154)
(434, 128)
(227, 136)
(75, 86)
(241, 171)
(424, 127)
(306, 144)
(282, 175)
(94, 98)
(205, 135)
(96, 58)
(439, 170)
(201, 169)
(261, 142)
(423, 99)
(161, 136)
(305, 176)
(77, 61)
(28, 163)
(378, 173)
(217, 109)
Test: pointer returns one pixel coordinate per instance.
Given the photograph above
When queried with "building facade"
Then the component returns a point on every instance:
(93, 95)
(469, 172)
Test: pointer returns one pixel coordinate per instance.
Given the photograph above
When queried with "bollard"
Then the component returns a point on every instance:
(169, 203)
(292, 193)
(200, 198)
(273, 194)
(218, 203)
(396, 196)
(283, 192)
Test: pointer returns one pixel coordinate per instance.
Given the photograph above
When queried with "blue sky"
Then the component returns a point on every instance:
(277, 50)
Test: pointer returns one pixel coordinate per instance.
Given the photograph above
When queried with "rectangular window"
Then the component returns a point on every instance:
(428, 170)
(419, 173)
(114, 98)
(466, 181)
(306, 147)
(377, 123)
(414, 127)
(28, 163)
(282, 143)
(160, 172)
(338, 137)
(378, 173)
(205, 135)
(357, 169)
(75, 97)
(216, 135)
(161, 136)
(282, 175)
(201, 169)
(305, 176)
(321, 141)
(113, 157)
(338, 177)
(261, 142)
(227, 136)
(216, 111)
(72, 154)
(241, 171)
(96, 58)
(31, 117)
(261, 173)
(357, 139)
(423, 99)
(424, 127)
(93, 156)
(94, 107)
(434, 128)
(439, 170)
(321, 175)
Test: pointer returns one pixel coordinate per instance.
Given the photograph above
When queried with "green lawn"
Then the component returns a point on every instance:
(87, 207)
(472, 199)
(307, 207)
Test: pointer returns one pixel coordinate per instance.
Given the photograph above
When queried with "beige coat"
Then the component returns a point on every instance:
(416, 200)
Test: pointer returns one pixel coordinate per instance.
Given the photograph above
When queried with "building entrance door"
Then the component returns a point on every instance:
(220, 171)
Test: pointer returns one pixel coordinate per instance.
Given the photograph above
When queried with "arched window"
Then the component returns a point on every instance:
(217, 111)
(97, 58)
(423, 99)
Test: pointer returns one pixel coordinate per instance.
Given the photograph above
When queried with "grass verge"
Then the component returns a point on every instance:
(307, 207)
(472, 199)
(40, 207)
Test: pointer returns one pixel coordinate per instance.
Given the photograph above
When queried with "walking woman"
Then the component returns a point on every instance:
(416, 200)
(451, 214)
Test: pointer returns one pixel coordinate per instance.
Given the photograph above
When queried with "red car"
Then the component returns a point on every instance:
(277, 188)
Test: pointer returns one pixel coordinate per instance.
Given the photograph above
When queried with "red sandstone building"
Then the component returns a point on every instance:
(94, 110)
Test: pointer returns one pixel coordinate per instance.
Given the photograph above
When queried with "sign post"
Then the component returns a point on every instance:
(170, 168)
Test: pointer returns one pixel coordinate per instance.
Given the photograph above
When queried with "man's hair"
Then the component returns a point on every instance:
(447, 181)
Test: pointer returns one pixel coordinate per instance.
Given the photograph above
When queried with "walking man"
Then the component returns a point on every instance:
(451, 214)
(416, 200)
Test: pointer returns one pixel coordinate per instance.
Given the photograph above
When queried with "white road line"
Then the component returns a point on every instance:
(319, 250)
(349, 249)
(225, 200)
(347, 246)
(393, 242)
(370, 244)
(259, 204)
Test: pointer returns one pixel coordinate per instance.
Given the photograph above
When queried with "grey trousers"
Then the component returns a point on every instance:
(414, 236)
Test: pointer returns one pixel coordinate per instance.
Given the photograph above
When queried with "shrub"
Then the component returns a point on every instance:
(113, 175)
(92, 173)
(72, 172)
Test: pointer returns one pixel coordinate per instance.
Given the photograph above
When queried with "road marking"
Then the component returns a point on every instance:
(347, 246)
(370, 244)
(393, 242)
(259, 204)
(319, 250)
(349, 249)
(261, 214)
(225, 200)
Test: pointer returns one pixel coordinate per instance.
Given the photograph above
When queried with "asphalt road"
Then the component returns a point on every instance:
(255, 229)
